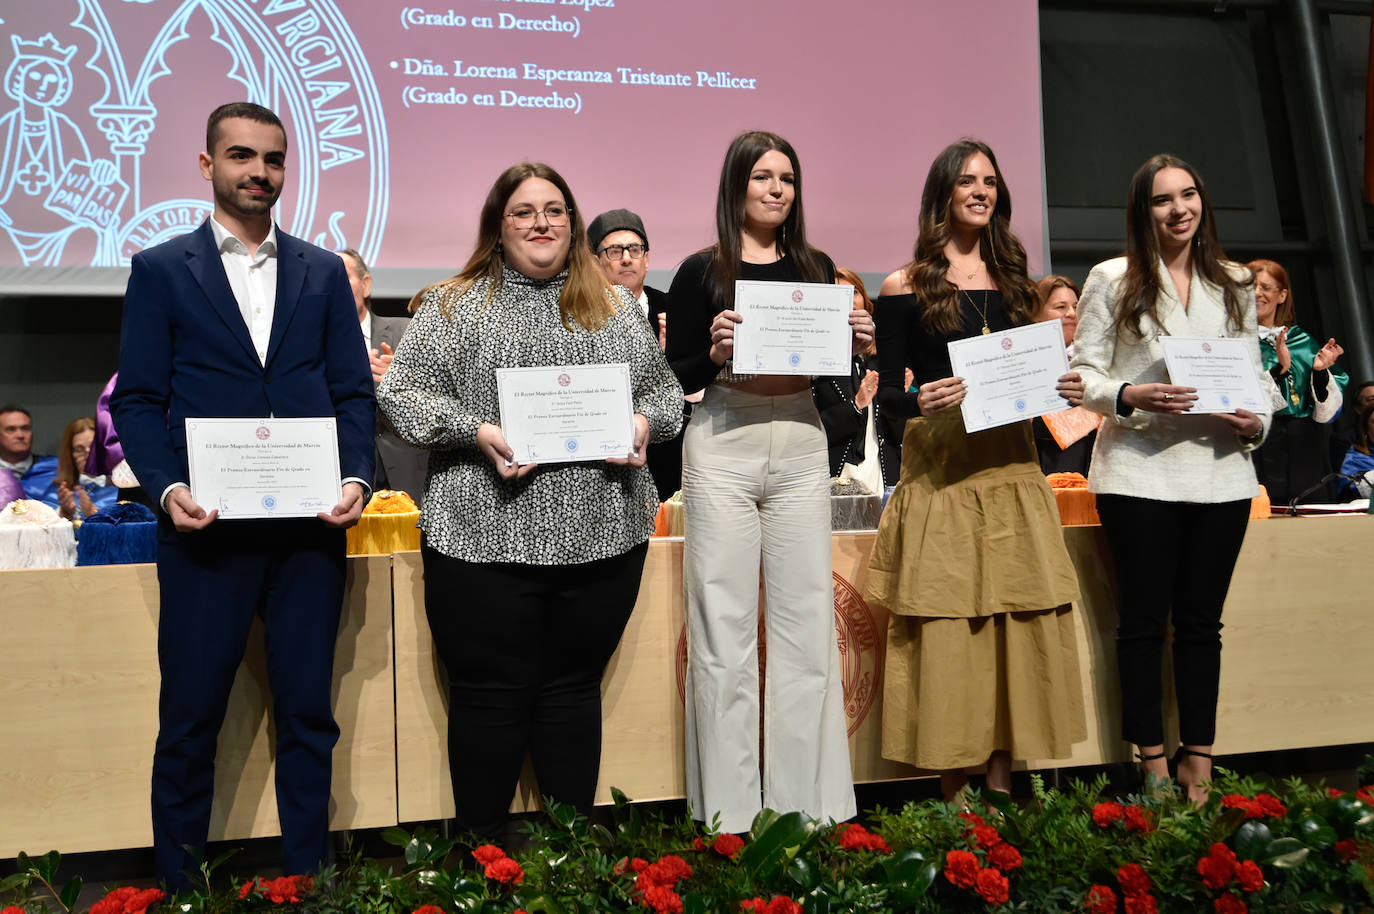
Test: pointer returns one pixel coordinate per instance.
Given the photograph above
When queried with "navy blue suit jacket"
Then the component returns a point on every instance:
(185, 351)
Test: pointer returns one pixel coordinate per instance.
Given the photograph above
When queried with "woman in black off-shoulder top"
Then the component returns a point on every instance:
(970, 562)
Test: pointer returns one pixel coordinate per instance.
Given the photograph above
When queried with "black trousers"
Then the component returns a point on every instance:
(525, 647)
(1173, 560)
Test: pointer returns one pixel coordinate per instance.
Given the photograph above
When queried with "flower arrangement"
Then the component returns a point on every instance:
(1255, 846)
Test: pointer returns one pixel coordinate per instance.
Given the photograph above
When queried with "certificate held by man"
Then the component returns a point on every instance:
(255, 468)
(799, 328)
(567, 413)
(1222, 370)
(1010, 375)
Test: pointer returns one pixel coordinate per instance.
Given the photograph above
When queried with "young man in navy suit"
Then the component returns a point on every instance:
(239, 319)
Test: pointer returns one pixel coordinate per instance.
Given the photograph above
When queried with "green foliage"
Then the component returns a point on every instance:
(1313, 848)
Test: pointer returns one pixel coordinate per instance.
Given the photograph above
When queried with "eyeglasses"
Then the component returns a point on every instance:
(617, 251)
(554, 214)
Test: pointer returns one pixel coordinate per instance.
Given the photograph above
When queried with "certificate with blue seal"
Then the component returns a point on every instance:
(797, 328)
(1010, 375)
(567, 413)
(256, 468)
(1223, 371)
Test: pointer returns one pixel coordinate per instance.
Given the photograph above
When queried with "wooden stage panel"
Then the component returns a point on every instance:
(79, 716)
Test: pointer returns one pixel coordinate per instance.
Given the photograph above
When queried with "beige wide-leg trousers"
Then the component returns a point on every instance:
(756, 495)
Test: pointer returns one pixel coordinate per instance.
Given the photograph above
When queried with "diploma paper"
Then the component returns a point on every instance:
(250, 468)
(1222, 370)
(799, 328)
(1010, 374)
(565, 413)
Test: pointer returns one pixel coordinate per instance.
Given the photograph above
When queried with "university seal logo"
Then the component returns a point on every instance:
(860, 662)
(105, 99)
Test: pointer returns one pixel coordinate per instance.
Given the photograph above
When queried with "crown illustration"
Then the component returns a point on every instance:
(46, 46)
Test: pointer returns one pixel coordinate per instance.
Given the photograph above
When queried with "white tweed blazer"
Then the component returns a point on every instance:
(1152, 455)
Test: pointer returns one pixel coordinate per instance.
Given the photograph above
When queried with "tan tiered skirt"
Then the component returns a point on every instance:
(970, 562)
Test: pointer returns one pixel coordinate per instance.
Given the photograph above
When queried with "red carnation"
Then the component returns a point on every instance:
(1229, 904)
(287, 889)
(488, 854)
(993, 886)
(1005, 857)
(667, 870)
(142, 900)
(1270, 805)
(972, 818)
(1133, 878)
(754, 905)
(1105, 814)
(248, 887)
(1334, 792)
(728, 845)
(1217, 867)
(1138, 819)
(1100, 900)
(781, 904)
(505, 870)
(621, 866)
(855, 837)
(961, 868)
(698, 844)
(1250, 876)
(986, 836)
(428, 909)
(1366, 795)
(11, 909)
(663, 899)
(113, 903)
(1238, 801)
(1346, 849)
(638, 865)
(1140, 903)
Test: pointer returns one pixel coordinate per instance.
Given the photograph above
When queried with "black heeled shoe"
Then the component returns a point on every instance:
(1143, 777)
(1178, 768)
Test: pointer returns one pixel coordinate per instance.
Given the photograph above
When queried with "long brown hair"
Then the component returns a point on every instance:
(745, 150)
(587, 296)
(67, 470)
(1001, 251)
(1284, 313)
(1140, 288)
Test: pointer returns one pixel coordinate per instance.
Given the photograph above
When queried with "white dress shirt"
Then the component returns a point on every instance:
(253, 278)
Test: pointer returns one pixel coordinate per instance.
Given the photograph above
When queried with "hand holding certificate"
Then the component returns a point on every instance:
(1011, 374)
(255, 468)
(567, 413)
(799, 328)
(1221, 370)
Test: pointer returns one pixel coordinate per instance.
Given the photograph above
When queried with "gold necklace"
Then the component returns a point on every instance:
(968, 276)
(983, 313)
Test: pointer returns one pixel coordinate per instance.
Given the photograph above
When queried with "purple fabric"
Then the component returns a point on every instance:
(106, 451)
(10, 489)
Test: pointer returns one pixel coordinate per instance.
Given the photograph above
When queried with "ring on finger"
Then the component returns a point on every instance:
(1168, 397)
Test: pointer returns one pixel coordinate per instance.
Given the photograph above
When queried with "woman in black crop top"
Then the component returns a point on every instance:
(755, 487)
(970, 562)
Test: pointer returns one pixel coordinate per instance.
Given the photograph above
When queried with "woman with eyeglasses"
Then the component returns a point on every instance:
(1173, 488)
(1296, 454)
(755, 485)
(75, 490)
(982, 660)
(530, 571)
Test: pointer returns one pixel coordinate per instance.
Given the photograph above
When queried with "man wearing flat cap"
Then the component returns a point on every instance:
(621, 246)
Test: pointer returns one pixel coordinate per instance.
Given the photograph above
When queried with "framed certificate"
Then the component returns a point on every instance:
(1010, 374)
(567, 413)
(1222, 370)
(255, 468)
(799, 328)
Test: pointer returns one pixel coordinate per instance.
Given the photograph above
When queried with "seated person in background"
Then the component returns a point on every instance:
(1359, 460)
(73, 489)
(621, 245)
(863, 446)
(1058, 298)
(1345, 431)
(34, 474)
(399, 465)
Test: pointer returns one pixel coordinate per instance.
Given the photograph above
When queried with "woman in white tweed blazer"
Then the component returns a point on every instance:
(1173, 489)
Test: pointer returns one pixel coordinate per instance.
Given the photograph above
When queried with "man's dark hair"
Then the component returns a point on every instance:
(14, 408)
(239, 109)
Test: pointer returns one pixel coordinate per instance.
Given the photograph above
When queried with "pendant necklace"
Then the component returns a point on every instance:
(984, 312)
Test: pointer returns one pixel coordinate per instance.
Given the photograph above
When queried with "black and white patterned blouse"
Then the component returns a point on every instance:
(442, 386)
